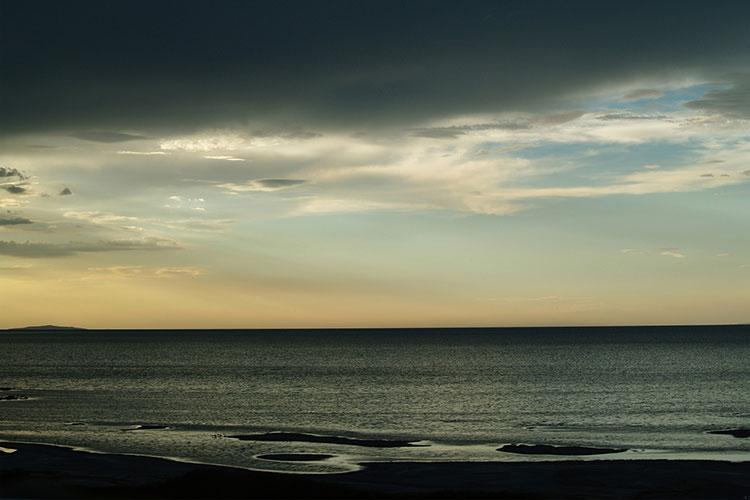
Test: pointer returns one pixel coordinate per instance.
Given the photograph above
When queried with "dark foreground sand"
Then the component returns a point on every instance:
(38, 471)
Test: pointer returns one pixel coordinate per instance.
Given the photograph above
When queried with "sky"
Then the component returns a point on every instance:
(180, 164)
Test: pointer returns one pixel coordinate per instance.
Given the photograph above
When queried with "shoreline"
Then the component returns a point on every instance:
(57, 471)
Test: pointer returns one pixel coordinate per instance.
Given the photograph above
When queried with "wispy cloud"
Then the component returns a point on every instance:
(143, 153)
(107, 136)
(664, 252)
(672, 252)
(145, 272)
(262, 185)
(6, 172)
(14, 221)
(47, 250)
(15, 189)
(509, 123)
(97, 217)
(638, 94)
(224, 158)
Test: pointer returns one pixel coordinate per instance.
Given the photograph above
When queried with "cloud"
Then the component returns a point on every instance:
(733, 102)
(672, 252)
(45, 250)
(187, 203)
(11, 172)
(196, 224)
(18, 268)
(14, 221)
(65, 192)
(222, 64)
(322, 206)
(455, 131)
(665, 252)
(14, 189)
(144, 272)
(171, 272)
(263, 185)
(11, 203)
(227, 141)
(632, 116)
(509, 123)
(223, 157)
(638, 94)
(107, 137)
(143, 153)
(97, 217)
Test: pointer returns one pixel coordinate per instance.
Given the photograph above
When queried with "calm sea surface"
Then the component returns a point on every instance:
(654, 391)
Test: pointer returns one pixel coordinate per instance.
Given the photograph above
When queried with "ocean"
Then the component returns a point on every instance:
(456, 394)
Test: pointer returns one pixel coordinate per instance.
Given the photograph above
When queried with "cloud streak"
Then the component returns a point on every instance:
(106, 136)
(51, 250)
(15, 189)
(14, 221)
(263, 185)
(6, 172)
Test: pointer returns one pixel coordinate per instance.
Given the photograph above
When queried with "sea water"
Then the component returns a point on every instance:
(461, 393)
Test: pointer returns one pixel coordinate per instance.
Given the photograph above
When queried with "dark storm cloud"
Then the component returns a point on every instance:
(43, 250)
(107, 137)
(14, 221)
(179, 65)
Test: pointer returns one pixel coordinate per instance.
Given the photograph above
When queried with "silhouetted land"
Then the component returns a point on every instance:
(47, 328)
(647, 331)
(39, 471)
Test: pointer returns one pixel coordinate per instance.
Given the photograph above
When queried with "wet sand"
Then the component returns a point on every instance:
(543, 449)
(299, 437)
(41, 471)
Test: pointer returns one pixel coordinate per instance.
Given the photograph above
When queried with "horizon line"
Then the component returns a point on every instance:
(55, 328)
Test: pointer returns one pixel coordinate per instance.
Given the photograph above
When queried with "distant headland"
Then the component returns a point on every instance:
(45, 328)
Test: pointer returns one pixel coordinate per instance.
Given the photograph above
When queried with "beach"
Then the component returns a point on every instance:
(44, 471)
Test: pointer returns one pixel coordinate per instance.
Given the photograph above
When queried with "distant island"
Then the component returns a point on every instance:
(45, 328)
